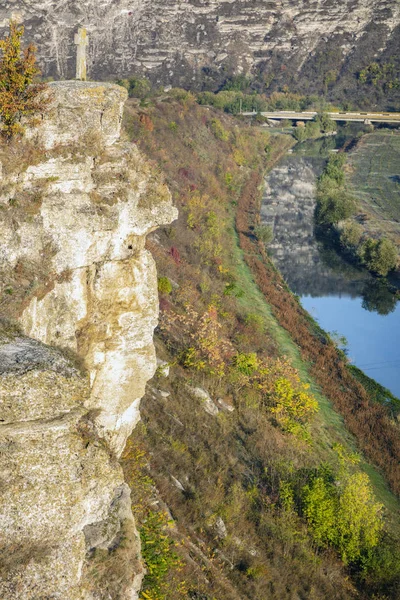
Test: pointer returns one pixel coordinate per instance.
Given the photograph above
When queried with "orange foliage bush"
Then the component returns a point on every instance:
(146, 121)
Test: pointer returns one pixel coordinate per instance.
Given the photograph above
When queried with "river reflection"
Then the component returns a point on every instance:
(341, 297)
(288, 207)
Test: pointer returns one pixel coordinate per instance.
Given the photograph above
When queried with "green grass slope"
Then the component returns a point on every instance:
(374, 176)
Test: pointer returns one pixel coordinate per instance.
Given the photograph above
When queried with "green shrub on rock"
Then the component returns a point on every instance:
(136, 87)
(164, 285)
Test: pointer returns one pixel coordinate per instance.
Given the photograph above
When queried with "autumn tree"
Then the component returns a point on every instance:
(293, 406)
(20, 96)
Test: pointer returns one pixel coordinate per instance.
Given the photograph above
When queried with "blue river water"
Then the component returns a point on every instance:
(372, 339)
(339, 297)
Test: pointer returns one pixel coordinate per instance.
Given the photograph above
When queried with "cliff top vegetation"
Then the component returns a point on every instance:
(21, 96)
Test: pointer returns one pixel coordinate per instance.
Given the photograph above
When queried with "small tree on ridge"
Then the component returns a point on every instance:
(20, 96)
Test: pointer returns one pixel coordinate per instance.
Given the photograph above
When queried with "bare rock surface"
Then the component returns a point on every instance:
(21, 355)
(206, 401)
(83, 286)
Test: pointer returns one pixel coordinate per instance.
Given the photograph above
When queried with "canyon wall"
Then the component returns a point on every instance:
(78, 307)
(198, 42)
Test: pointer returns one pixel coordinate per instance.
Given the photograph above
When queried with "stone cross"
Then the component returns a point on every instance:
(81, 40)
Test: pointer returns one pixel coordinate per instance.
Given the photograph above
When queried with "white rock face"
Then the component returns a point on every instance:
(173, 41)
(70, 118)
(205, 399)
(220, 528)
(225, 406)
(82, 281)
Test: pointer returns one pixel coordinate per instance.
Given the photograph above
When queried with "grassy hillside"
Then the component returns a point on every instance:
(243, 489)
(374, 167)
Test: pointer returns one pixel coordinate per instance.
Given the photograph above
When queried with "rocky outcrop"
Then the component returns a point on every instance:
(75, 274)
(187, 42)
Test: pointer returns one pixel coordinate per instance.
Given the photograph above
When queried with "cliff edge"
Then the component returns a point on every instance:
(80, 290)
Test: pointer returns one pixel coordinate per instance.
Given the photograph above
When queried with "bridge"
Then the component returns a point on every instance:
(363, 117)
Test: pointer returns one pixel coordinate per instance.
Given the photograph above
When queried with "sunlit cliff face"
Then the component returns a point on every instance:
(63, 430)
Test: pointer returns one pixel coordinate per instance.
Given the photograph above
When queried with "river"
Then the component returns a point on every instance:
(342, 298)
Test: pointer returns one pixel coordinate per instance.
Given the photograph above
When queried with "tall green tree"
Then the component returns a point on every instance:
(325, 123)
(20, 95)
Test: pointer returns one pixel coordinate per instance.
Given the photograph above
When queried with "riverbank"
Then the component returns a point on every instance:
(361, 415)
(337, 215)
(338, 291)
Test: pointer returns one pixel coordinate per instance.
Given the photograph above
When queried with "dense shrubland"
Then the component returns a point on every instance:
(235, 503)
(384, 76)
(363, 81)
(235, 96)
(234, 102)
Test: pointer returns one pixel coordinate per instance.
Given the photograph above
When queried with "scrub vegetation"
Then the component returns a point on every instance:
(384, 76)
(236, 95)
(247, 488)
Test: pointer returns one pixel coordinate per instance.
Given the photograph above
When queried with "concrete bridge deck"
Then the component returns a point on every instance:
(383, 117)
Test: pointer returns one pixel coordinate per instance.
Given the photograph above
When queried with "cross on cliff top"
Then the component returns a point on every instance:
(81, 40)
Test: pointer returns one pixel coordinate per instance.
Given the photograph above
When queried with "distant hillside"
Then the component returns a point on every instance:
(318, 46)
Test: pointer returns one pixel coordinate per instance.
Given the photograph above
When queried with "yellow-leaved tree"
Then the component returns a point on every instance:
(21, 96)
(343, 512)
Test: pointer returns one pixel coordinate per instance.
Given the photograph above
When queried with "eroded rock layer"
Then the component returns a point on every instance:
(76, 205)
(175, 41)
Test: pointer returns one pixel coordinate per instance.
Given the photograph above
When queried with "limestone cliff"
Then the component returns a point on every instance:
(76, 202)
(184, 42)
